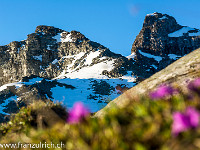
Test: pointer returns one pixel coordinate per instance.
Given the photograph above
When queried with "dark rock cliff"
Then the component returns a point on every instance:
(162, 41)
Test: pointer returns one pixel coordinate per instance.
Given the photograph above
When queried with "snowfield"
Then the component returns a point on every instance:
(84, 88)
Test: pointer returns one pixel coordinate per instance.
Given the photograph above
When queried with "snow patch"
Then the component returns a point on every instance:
(20, 84)
(18, 49)
(33, 81)
(92, 71)
(157, 58)
(55, 61)
(163, 18)
(173, 56)
(17, 85)
(48, 47)
(152, 14)
(77, 56)
(68, 38)
(129, 77)
(103, 58)
(2, 106)
(154, 66)
(91, 56)
(38, 57)
(58, 38)
(180, 32)
(131, 56)
(195, 34)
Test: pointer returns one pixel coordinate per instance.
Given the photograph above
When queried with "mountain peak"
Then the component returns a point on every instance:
(159, 20)
(73, 36)
(161, 41)
(157, 14)
(62, 35)
(44, 29)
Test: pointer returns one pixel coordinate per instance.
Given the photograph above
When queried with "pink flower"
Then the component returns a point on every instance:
(195, 86)
(77, 113)
(193, 115)
(162, 92)
(184, 121)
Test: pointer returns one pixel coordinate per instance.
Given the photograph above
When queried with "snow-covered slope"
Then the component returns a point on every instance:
(89, 91)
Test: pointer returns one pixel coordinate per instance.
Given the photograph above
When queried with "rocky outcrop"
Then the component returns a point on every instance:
(179, 73)
(162, 41)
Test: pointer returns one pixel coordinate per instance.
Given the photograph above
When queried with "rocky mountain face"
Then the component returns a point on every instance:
(49, 51)
(56, 65)
(53, 64)
(181, 72)
(160, 42)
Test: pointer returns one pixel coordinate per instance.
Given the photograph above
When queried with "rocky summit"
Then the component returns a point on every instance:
(53, 64)
(160, 42)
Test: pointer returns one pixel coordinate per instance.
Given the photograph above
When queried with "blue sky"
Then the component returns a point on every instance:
(113, 23)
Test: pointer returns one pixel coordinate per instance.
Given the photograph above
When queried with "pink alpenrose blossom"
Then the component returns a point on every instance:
(162, 92)
(77, 113)
(184, 121)
(195, 86)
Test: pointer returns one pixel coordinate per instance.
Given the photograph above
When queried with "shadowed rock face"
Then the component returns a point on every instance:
(28, 57)
(162, 41)
(180, 72)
